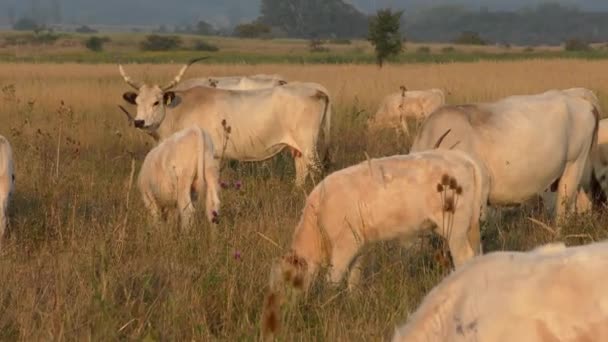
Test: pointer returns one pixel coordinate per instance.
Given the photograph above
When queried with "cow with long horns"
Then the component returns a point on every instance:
(244, 125)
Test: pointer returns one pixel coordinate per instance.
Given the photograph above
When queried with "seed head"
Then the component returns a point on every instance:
(439, 187)
(445, 179)
(453, 183)
(459, 190)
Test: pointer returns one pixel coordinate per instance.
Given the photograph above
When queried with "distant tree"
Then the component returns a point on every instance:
(384, 34)
(314, 18)
(204, 28)
(26, 24)
(202, 45)
(575, 44)
(316, 45)
(85, 29)
(470, 38)
(254, 29)
(156, 42)
(96, 43)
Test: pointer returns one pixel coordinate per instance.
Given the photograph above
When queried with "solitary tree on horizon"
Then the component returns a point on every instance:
(384, 34)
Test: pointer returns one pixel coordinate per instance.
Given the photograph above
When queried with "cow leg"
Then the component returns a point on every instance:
(3, 220)
(185, 207)
(152, 207)
(568, 188)
(463, 244)
(342, 254)
(354, 277)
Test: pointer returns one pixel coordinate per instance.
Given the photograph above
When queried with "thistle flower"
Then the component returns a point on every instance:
(237, 255)
(238, 184)
(445, 179)
(224, 185)
(453, 183)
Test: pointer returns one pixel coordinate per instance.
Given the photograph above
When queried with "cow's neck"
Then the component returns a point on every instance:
(167, 126)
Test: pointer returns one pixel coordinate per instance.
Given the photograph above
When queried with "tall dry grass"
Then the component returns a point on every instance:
(81, 263)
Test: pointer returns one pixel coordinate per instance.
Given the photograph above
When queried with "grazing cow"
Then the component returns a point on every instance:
(249, 125)
(526, 142)
(252, 82)
(551, 293)
(416, 104)
(176, 172)
(600, 163)
(591, 192)
(389, 198)
(7, 183)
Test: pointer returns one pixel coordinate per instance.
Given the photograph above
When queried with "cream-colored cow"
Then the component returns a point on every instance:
(389, 198)
(397, 107)
(176, 172)
(7, 183)
(526, 142)
(260, 81)
(551, 293)
(593, 182)
(262, 122)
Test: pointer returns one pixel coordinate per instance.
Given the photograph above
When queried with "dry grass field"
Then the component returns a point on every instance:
(80, 262)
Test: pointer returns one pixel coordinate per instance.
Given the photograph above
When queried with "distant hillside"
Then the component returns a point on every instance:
(219, 12)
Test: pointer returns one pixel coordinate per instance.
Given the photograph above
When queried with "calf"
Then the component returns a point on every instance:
(176, 172)
(389, 198)
(552, 293)
(7, 182)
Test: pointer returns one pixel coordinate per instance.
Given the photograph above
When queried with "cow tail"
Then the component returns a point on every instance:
(480, 198)
(598, 197)
(208, 175)
(326, 122)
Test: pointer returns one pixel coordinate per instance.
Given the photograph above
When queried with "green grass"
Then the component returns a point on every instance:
(302, 58)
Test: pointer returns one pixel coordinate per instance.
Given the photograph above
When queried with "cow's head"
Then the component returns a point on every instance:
(151, 100)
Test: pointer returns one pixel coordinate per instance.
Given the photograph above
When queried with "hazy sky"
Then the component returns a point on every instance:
(219, 12)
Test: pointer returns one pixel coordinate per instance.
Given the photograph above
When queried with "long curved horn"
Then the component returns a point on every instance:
(441, 138)
(128, 79)
(181, 73)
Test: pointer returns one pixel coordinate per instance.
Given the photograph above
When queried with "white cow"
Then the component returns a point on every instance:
(591, 192)
(176, 172)
(7, 183)
(525, 142)
(551, 293)
(397, 107)
(389, 198)
(261, 122)
(252, 82)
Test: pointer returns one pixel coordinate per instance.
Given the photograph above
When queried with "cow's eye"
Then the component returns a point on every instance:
(156, 103)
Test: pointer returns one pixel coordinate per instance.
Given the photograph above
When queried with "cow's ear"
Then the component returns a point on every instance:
(168, 97)
(129, 97)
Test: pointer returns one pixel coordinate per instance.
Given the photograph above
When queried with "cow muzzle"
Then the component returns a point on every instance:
(139, 123)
